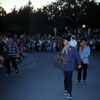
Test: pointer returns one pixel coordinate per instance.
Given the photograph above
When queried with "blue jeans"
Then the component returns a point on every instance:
(68, 81)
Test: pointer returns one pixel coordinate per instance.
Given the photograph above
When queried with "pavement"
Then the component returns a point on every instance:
(41, 79)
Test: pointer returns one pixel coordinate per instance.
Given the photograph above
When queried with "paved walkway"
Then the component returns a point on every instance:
(40, 79)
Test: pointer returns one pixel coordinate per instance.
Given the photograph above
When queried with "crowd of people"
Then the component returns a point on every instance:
(28, 43)
(12, 48)
(44, 43)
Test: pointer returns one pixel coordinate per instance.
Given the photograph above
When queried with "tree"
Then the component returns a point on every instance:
(62, 13)
(24, 18)
(2, 19)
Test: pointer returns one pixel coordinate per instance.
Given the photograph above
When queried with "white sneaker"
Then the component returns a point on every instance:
(83, 81)
(65, 93)
(78, 82)
(69, 96)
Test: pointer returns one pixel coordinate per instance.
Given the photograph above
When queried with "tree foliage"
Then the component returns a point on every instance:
(62, 13)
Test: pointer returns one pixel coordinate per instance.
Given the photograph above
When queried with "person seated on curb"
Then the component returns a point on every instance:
(1, 61)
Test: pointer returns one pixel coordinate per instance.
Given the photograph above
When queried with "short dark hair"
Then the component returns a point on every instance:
(67, 38)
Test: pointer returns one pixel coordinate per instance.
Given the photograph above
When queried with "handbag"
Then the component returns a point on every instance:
(61, 60)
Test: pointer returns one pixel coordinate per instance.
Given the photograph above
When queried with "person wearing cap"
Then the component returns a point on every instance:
(84, 52)
(71, 53)
(73, 42)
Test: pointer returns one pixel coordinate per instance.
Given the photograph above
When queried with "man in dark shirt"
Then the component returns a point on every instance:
(71, 54)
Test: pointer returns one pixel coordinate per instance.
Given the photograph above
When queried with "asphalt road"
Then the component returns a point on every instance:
(40, 79)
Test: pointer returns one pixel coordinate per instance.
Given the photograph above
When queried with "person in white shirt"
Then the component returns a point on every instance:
(54, 45)
(73, 42)
(40, 42)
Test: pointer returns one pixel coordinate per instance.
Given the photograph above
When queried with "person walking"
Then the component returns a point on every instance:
(71, 53)
(12, 53)
(84, 52)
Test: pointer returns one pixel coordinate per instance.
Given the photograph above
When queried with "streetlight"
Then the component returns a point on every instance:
(83, 26)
